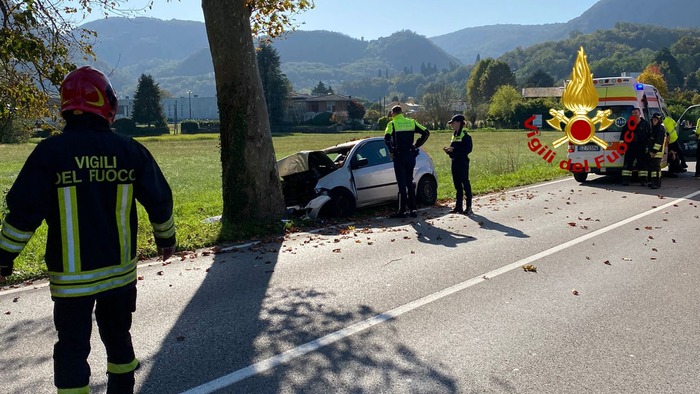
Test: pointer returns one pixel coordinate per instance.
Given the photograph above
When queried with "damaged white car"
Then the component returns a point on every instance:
(337, 180)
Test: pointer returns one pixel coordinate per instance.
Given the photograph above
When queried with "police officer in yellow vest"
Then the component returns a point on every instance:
(398, 137)
(676, 159)
(459, 150)
(84, 183)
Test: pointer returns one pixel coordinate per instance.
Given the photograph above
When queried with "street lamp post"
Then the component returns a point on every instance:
(189, 100)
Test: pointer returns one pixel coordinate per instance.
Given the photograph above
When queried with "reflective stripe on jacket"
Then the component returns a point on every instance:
(85, 183)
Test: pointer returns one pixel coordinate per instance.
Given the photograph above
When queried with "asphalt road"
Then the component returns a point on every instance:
(438, 304)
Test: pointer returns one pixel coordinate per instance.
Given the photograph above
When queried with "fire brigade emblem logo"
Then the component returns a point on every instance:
(580, 98)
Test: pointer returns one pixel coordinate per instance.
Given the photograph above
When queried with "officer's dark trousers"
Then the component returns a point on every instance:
(404, 163)
(73, 321)
(633, 160)
(460, 178)
(654, 165)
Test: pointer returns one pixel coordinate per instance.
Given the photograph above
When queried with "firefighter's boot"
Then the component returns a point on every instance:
(120, 383)
(655, 180)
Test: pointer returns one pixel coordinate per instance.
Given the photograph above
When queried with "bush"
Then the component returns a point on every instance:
(125, 126)
(189, 126)
(382, 122)
(15, 131)
(322, 119)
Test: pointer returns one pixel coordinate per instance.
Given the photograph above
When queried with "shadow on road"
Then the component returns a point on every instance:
(23, 358)
(238, 317)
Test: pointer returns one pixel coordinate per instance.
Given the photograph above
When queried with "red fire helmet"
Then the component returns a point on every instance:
(88, 90)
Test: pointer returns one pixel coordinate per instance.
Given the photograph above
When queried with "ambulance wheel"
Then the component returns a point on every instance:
(580, 176)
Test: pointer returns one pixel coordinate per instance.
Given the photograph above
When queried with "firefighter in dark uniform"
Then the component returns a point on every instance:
(399, 138)
(85, 182)
(635, 157)
(655, 150)
(459, 150)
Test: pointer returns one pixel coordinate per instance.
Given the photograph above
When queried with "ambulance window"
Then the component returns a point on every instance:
(620, 115)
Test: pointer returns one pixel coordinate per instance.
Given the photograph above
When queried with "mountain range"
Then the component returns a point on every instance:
(176, 53)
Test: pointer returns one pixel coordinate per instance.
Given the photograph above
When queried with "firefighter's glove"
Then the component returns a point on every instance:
(166, 252)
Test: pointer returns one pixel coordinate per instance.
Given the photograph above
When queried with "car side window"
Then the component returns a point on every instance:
(375, 152)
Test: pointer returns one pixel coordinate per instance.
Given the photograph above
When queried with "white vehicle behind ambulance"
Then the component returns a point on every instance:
(620, 95)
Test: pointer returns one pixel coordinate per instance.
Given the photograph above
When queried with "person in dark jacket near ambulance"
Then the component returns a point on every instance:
(459, 150)
(84, 183)
(399, 138)
(636, 135)
(655, 150)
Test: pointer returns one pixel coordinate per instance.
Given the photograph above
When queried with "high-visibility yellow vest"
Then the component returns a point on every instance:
(670, 126)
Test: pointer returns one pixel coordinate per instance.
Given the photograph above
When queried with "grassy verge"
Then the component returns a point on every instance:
(191, 163)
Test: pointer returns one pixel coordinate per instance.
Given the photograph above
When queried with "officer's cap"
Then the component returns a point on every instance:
(457, 118)
(656, 115)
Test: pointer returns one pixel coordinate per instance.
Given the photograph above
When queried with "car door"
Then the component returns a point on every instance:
(373, 173)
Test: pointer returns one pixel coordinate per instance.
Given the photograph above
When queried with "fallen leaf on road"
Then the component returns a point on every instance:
(673, 240)
(160, 273)
(15, 299)
(336, 250)
(572, 224)
(140, 278)
(654, 249)
(574, 292)
(607, 262)
(626, 259)
(529, 268)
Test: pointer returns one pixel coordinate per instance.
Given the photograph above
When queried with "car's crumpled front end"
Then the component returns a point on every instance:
(300, 172)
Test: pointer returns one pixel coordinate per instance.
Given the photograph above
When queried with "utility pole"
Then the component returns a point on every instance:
(175, 119)
(189, 99)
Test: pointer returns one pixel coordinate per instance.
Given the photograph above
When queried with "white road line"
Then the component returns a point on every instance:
(314, 345)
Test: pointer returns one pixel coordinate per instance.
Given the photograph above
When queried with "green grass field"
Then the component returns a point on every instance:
(191, 163)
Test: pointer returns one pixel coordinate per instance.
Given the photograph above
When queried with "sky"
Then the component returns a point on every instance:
(372, 19)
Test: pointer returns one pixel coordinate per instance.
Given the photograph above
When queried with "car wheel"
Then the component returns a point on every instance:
(426, 192)
(342, 202)
(580, 176)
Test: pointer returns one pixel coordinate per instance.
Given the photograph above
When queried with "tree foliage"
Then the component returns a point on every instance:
(147, 107)
(653, 76)
(503, 105)
(486, 77)
(356, 110)
(438, 101)
(276, 86)
(321, 89)
(539, 79)
(39, 40)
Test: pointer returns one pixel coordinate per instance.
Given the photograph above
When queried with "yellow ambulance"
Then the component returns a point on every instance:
(620, 95)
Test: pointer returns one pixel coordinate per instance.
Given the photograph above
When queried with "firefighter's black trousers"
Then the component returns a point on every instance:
(635, 159)
(404, 163)
(460, 178)
(73, 321)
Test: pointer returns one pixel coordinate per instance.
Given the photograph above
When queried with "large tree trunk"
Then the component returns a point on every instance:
(250, 182)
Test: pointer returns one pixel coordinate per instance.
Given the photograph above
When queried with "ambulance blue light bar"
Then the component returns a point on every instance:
(639, 86)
